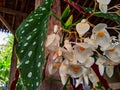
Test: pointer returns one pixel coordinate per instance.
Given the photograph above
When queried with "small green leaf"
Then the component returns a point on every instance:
(68, 23)
(65, 13)
(30, 50)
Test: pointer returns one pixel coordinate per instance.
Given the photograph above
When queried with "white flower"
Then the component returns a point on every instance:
(103, 5)
(82, 27)
(101, 36)
(75, 70)
(82, 52)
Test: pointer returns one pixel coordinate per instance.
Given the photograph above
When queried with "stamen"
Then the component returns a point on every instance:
(75, 68)
(81, 48)
(100, 34)
(111, 50)
(58, 65)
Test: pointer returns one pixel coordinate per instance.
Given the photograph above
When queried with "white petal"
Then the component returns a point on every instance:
(114, 54)
(64, 79)
(104, 1)
(82, 28)
(103, 39)
(99, 27)
(93, 77)
(103, 8)
(55, 28)
(89, 62)
(110, 71)
(101, 69)
(86, 79)
(78, 81)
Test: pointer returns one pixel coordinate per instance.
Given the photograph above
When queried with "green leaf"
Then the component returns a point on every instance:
(30, 50)
(65, 13)
(111, 16)
(68, 23)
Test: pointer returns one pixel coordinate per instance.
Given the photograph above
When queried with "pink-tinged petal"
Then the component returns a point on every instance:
(82, 27)
(55, 28)
(50, 39)
(54, 45)
(109, 71)
(103, 8)
(51, 68)
(101, 69)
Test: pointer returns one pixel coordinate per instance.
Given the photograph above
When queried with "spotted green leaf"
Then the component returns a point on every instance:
(30, 50)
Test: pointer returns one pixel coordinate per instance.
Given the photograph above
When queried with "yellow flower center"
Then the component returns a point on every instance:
(81, 48)
(111, 50)
(75, 68)
(58, 65)
(57, 53)
(100, 34)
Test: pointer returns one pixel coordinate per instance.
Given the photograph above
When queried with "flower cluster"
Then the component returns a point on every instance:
(74, 59)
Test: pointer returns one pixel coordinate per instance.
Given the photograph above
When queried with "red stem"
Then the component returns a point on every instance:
(101, 78)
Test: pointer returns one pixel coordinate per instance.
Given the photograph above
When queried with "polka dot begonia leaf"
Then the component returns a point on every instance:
(30, 50)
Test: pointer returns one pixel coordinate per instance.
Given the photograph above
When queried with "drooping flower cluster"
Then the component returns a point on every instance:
(75, 58)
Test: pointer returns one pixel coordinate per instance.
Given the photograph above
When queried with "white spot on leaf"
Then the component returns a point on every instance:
(34, 29)
(41, 34)
(26, 25)
(43, 8)
(30, 53)
(30, 19)
(29, 74)
(25, 44)
(29, 37)
(40, 56)
(22, 31)
(39, 64)
(34, 43)
(27, 62)
(42, 49)
(41, 43)
(37, 83)
(36, 14)
(21, 51)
